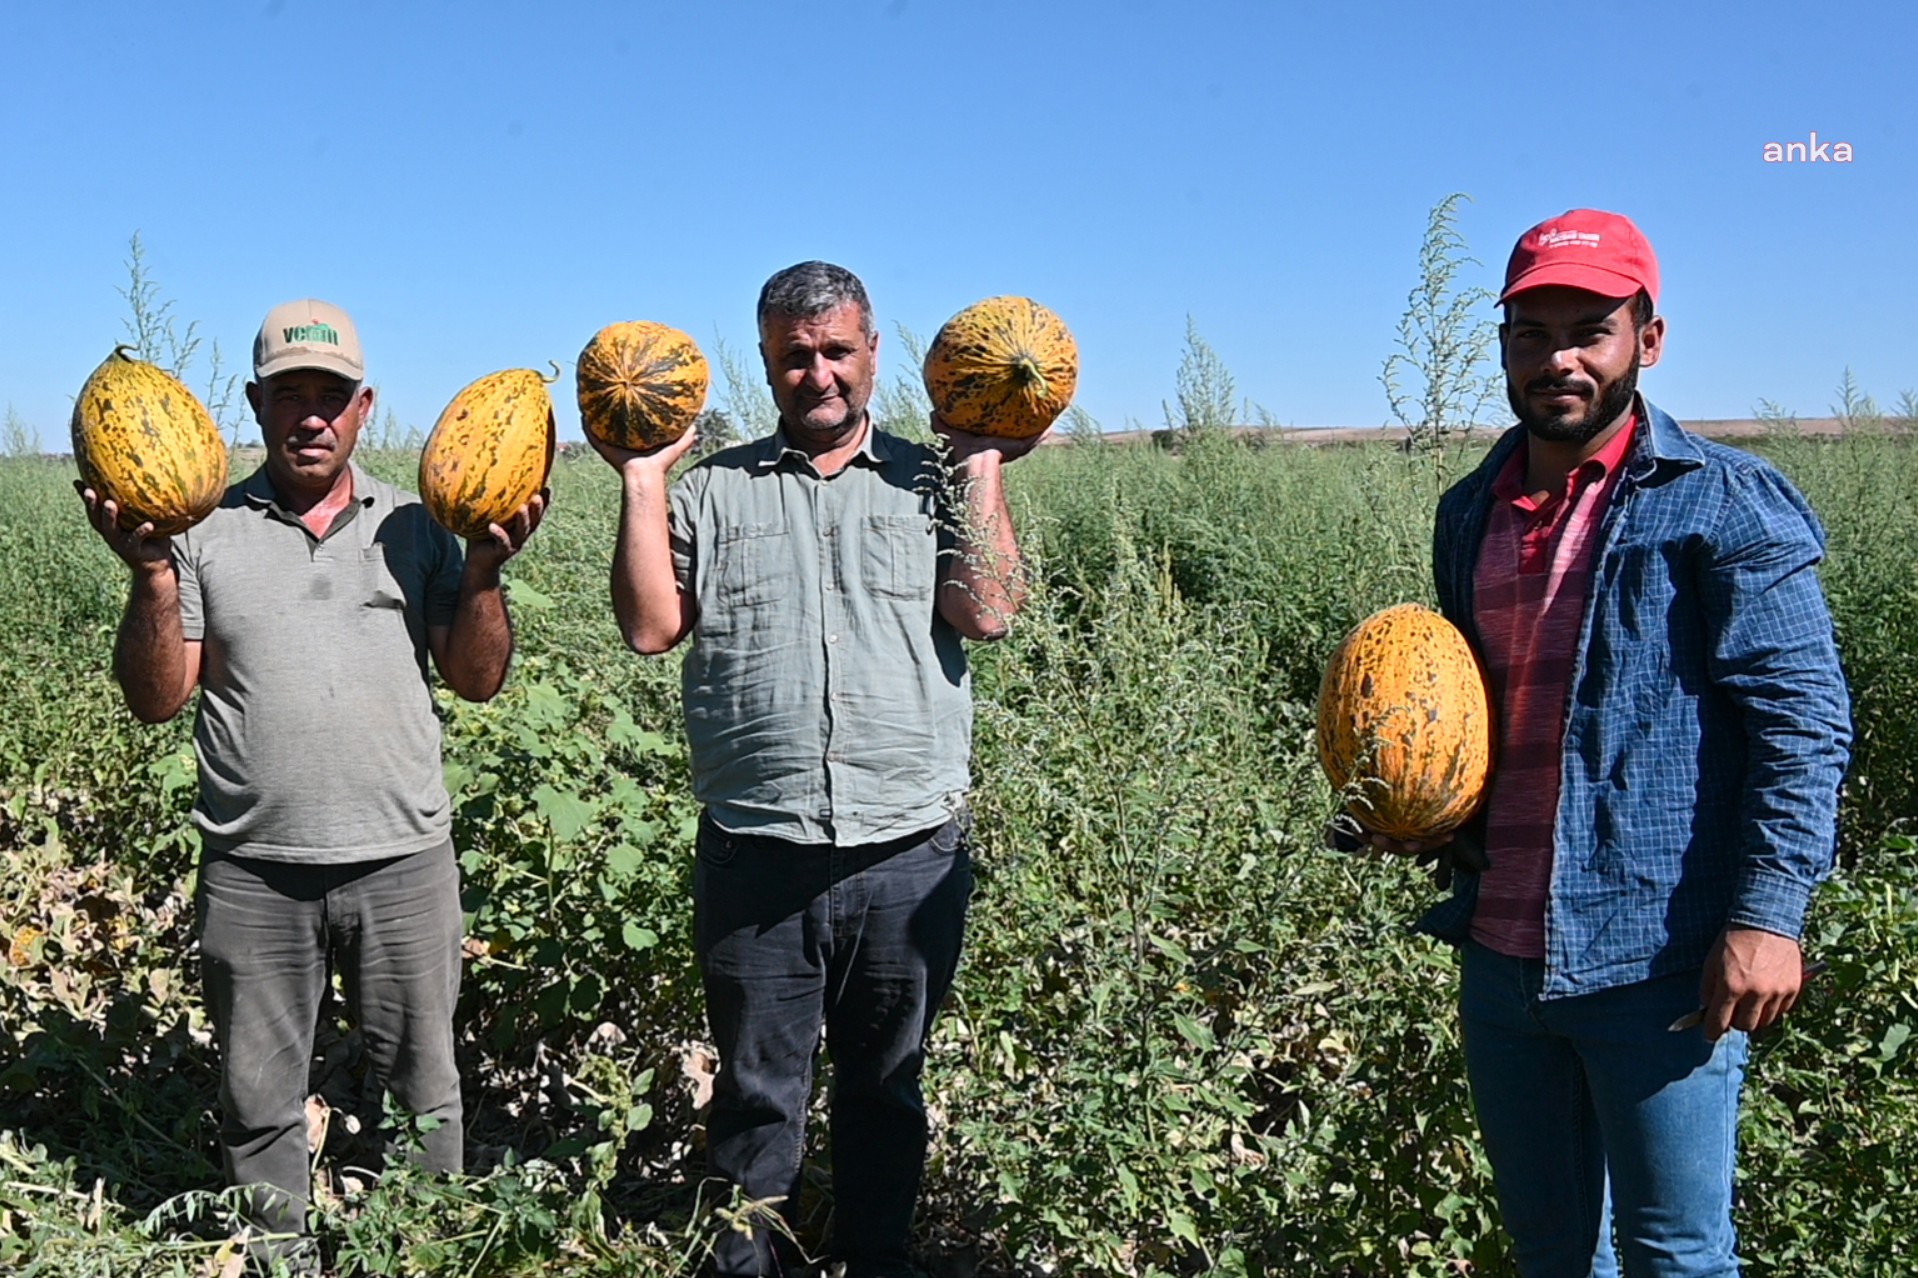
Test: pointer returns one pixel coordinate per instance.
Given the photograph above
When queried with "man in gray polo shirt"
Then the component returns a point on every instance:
(304, 609)
(827, 576)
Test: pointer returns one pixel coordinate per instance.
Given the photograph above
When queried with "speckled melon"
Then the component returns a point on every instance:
(490, 451)
(641, 384)
(1405, 725)
(142, 440)
(1006, 366)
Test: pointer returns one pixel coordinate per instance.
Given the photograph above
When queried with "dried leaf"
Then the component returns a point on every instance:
(20, 952)
(229, 1261)
(700, 1066)
(317, 1114)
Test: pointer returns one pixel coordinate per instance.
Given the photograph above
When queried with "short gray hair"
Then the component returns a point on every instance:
(813, 288)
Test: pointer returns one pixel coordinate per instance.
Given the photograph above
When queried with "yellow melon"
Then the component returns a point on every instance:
(142, 440)
(1405, 724)
(641, 384)
(1006, 366)
(490, 451)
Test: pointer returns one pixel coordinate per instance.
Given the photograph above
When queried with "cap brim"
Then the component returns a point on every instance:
(1592, 279)
(294, 361)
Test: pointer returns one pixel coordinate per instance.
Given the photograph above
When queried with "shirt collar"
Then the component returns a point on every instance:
(261, 495)
(1509, 486)
(874, 450)
(1663, 449)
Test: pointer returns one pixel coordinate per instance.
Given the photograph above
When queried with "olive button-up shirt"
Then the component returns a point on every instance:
(826, 699)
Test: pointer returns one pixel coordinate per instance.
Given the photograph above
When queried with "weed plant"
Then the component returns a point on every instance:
(1444, 372)
(1861, 485)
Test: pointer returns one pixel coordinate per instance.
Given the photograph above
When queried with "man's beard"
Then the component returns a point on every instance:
(1561, 429)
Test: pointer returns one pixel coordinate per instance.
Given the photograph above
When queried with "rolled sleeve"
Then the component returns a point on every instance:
(680, 502)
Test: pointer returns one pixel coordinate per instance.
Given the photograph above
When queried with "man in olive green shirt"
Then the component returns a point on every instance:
(827, 575)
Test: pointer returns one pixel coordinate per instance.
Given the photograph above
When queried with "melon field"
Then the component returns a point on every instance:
(1185, 1039)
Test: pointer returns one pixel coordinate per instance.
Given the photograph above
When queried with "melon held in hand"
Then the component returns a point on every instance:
(1405, 725)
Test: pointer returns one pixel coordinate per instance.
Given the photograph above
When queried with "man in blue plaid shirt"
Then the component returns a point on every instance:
(1673, 726)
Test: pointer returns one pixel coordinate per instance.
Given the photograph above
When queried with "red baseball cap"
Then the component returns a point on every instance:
(1600, 252)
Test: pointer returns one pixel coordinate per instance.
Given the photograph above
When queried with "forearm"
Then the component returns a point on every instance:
(1797, 727)
(983, 585)
(1773, 653)
(648, 605)
(479, 644)
(1790, 825)
(149, 651)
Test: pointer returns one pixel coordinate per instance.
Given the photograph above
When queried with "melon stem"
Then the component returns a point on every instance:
(1028, 372)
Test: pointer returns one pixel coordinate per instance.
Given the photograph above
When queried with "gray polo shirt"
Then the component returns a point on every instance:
(827, 701)
(316, 733)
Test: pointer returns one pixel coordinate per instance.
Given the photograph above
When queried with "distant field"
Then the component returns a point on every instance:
(1711, 428)
(1731, 428)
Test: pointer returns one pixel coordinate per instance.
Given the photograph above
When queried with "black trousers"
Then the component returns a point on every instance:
(866, 941)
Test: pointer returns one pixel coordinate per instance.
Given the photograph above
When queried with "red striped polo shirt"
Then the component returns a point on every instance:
(1528, 597)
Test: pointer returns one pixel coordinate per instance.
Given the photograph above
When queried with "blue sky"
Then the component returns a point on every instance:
(483, 185)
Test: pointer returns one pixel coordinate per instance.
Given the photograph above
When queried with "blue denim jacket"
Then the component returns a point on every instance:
(1707, 726)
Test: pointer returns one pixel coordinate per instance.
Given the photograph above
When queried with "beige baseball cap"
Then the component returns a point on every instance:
(307, 334)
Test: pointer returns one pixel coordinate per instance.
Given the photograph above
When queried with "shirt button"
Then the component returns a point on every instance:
(832, 638)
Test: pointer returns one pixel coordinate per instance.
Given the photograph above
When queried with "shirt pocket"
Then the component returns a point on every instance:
(378, 582)
(752, 565)
(898, 556)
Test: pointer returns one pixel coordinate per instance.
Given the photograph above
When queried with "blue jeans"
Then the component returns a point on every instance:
(866, 941)
(1574, 1093)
